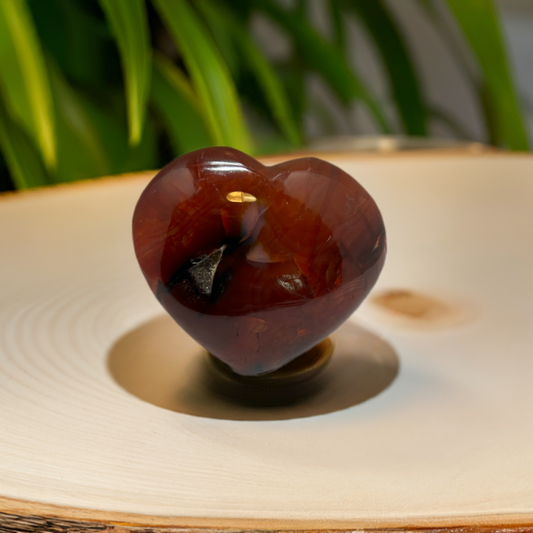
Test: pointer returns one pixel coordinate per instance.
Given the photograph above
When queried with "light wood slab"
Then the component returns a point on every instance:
(448, 443)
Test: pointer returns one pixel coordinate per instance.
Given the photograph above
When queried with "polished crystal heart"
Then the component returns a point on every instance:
(258, 264)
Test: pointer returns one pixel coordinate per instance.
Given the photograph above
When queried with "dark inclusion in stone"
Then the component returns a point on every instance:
(201, 272)
(256, 263)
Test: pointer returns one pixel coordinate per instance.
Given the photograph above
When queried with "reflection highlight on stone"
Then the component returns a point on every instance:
(240, 197)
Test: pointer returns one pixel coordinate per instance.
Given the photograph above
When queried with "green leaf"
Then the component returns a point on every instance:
(144, 156)
(266, 76)
(177, 105)
(24, 81)
(129, 23)
(81, 153)
(479, 22)
(80, 42)
(273, 90)
(301, 8)
(22, 158)
(112, 132)
(338, 24)
(323, 58)
(223, 35)
(293, 77)
(209, 74)
(400, 71)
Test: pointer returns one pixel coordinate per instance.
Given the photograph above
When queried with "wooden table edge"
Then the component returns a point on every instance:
(26, 516)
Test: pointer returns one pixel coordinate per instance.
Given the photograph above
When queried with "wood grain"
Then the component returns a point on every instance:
(445, 447)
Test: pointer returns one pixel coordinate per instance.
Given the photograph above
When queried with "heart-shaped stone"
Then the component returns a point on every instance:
(258, 264)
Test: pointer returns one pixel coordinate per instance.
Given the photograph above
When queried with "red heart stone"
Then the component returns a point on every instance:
(258, 264)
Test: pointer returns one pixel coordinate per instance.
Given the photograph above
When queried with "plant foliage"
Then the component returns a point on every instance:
(97, 87)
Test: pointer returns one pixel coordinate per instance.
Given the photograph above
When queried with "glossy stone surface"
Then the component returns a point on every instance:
(258, 264)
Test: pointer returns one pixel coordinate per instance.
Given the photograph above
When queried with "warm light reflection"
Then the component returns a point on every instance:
(225, 166)
(239, 197)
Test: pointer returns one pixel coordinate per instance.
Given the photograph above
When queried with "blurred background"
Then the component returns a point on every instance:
(91, 88)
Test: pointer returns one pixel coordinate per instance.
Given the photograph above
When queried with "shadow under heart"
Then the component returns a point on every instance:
(160, 364)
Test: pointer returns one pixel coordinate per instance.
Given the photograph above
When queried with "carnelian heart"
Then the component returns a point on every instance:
(258, 264)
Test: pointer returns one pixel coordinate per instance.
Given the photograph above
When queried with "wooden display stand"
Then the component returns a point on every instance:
(424, 421)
